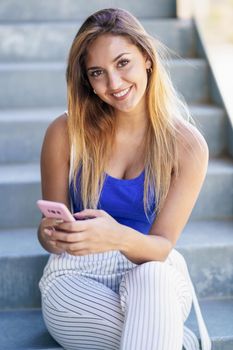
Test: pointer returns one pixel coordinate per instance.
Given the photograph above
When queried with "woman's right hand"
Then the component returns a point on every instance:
(47, 225)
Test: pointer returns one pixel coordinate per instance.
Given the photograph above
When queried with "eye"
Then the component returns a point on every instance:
(123, 62)
(96, 73)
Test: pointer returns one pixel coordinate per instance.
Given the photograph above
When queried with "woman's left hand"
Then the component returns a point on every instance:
(95, 231)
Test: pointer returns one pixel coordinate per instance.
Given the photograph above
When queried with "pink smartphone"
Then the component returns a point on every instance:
(55, 210)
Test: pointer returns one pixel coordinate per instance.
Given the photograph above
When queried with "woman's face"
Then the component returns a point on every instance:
(116, 69)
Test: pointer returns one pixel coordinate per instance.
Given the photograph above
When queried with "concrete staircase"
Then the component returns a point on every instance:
(34, 42)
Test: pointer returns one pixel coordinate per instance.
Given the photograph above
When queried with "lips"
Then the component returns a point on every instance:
(122, 94)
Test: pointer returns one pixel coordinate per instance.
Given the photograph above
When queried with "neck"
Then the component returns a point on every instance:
(131, 122)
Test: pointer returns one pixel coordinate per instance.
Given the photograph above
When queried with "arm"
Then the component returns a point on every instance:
(103, 232)
(54, 174)
(177, 208)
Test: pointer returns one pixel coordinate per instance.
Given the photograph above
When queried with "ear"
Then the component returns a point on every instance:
(148, 63)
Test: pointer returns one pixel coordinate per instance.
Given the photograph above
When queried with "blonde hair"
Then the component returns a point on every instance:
(91, 122)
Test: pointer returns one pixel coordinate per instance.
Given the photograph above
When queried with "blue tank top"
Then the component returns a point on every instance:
(123, 200)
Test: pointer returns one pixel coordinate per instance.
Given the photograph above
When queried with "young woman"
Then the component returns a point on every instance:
(125, 159)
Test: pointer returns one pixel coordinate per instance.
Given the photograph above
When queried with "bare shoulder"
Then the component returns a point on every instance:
(58, 127)
(192, 146)
(55, 161)
(56, 136)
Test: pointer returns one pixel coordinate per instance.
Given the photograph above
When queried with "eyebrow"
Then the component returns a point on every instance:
(114, 60)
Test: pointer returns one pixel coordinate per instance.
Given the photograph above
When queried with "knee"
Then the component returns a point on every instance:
(151, 277)
(177, 260)
(155, 271)
(154, 267)
(149, 274)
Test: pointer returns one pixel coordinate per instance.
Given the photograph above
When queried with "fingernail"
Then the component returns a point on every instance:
(47, 232)
(59, 221)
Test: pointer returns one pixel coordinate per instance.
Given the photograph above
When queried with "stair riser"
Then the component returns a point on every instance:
(212, 277)
(48, 42)
(25, 142)
(36, 87)
(216, 135)
(177, 36)
(222, 344)
(211, 270)
(225, 344)
(72, 9)
(19, 208)
(45, 86)
(216, 197)
(190, 78)
(26, 139)
(220, 330)
(17, 332)
(19, 281)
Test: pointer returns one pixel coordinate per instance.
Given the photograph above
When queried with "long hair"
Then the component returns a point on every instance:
(91, 122)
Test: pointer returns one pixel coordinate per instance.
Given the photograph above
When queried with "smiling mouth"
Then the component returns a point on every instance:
(122, 93)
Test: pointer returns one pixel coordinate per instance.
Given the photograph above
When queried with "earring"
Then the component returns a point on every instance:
(149, 70)
(94, 91)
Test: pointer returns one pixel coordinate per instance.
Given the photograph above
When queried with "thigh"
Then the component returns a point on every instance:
(81, 313)
(150, 278)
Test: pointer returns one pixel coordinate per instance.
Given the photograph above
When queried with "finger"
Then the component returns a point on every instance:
(62, 245)
(90, 213)
(81, 252)
(67, 237)
(48, 232)
(76, 248)
(50, 223)
(77, 226)
(71, 248)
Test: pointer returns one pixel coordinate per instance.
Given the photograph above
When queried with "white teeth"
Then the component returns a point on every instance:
(122, 93)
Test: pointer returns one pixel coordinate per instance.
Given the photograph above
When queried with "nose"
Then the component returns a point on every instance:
(114, 80)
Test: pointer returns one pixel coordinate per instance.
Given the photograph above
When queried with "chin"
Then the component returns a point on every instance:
(125, 110)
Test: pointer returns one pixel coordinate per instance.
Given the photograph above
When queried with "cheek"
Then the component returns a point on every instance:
(142, 81)
(97, 85)
(132, 72)
(138, 73)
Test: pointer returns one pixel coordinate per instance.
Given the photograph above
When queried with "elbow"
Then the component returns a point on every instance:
(168, 246)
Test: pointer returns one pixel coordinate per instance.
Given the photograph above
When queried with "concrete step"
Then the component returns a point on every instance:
(207, 247)
(18, 182)
(17, 332)
(12, 10)
(211, 121)
(50, 41)
(27, 128)
(218, 316)
(22, 260)
(20, 188)
(216, 197)
(190, 78)
(38, 85)
(177, 34)
(25, 330)
(44, 85)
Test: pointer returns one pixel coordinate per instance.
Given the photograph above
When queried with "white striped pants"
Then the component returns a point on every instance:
(125, 306)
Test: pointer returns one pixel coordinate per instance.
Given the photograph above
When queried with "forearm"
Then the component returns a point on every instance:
(140, 248)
